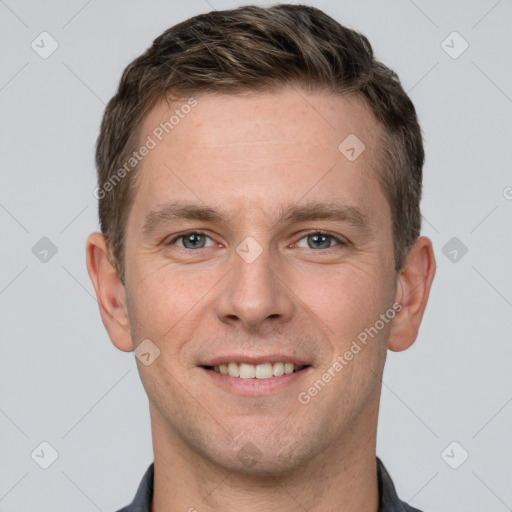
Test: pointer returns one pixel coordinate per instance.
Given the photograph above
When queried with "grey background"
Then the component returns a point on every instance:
(61, 379)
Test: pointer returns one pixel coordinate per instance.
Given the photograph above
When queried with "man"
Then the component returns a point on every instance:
(259, 180)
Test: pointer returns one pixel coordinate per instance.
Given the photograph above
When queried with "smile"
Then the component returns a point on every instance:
(256, 371)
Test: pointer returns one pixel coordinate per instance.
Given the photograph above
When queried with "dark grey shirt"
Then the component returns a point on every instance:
(388, 499)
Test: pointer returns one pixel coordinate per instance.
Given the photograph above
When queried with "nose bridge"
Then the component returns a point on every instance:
(253, 293)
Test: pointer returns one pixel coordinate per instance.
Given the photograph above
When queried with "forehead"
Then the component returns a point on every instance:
(289, 116)
(260, 151)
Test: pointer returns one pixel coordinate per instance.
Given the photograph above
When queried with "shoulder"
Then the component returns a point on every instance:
(388, 498)
(144, 495)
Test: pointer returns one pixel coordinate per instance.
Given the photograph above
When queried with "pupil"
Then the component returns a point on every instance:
(193, 240)
(317, 240)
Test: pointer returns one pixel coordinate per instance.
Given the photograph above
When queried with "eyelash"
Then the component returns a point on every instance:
(322, 233)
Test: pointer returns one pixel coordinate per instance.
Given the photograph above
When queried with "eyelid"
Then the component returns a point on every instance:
(341, 241)
(175, 238)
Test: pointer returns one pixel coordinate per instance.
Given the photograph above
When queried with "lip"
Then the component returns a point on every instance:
(270, 358)
(254, 387)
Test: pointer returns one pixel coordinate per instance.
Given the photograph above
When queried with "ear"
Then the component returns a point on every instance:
(413, 288)
(109, 291)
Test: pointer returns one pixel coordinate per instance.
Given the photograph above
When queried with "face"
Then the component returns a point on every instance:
(254, 246)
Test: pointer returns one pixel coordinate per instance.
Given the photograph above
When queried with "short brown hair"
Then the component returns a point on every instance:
(261, 49)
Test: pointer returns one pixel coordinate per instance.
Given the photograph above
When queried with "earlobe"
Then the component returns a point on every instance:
(413, 289)
(110, 292)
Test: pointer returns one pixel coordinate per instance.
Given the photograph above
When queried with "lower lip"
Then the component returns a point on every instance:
(256, 387)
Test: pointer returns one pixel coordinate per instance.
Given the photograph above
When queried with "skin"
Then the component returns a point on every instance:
(249, 156)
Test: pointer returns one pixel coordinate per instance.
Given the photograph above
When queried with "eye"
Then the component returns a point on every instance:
(191, 240)
(319, 240)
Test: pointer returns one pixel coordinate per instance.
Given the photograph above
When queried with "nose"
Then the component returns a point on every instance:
(255, 294)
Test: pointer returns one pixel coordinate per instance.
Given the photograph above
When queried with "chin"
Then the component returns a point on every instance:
(258, 454)
(253, 462)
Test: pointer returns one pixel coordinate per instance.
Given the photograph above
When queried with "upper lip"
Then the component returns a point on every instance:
(270, 358)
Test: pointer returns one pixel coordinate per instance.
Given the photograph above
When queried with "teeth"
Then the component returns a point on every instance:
(247, 371)
(264, 371)
(278, 369)
(233, 370)
(259, 371)
(288, 368)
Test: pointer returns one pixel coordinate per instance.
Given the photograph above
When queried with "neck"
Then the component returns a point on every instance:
(343, 479)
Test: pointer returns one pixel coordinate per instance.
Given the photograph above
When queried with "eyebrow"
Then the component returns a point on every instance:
(180, 210)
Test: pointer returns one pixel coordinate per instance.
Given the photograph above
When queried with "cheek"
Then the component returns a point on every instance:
(346, 300)
(162, 301)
